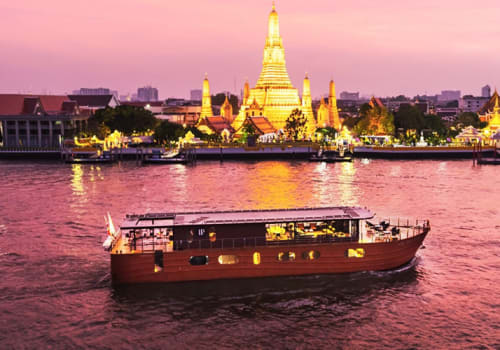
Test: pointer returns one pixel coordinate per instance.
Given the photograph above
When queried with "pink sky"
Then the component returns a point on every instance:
(381, 47)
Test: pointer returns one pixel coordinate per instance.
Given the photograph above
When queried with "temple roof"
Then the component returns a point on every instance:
(261, 124)
(375, 101)
(217, 124)
(92, 100)
(490, 104)
(17, 104)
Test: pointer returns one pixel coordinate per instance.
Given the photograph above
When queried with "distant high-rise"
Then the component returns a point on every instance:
(95, 91)
(196, 95)
(486, 91)
(450, 95)
(147, 94)
(344, 95)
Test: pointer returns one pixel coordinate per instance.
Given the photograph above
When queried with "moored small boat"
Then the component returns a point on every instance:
(173, 157)
(190, 246)
(105, 157)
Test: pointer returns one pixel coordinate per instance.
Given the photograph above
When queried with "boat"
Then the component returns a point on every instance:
(195, 246)
(330, 159)
(98, 158)
(172, 157)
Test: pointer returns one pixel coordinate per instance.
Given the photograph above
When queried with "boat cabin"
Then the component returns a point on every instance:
(228, 229)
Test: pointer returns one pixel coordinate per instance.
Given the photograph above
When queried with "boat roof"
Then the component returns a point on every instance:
(134, 221)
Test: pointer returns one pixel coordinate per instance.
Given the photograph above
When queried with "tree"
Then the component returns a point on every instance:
(409, 117)
(375, 121)
(127, 119)
(295, 124)
(351, 122)
(166, 132)
(434, 123)
(469, 118)
(327, 131)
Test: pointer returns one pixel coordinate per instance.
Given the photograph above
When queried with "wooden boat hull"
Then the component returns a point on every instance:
(332, 259)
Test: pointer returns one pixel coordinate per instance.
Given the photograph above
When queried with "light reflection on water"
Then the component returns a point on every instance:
(55, 277)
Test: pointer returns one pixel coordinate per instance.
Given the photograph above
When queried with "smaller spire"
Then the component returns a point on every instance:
(307, 77)
(206, 75)
(274, 6)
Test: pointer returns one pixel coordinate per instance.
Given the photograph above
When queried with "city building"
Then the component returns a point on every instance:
(486, 91)
(181, 112)
(155, 107)
(147, 94)
(448, 114)
(38, 120)
(96, 91)
(353, 96)
(196, 95)
(471, 103)
(449, 95)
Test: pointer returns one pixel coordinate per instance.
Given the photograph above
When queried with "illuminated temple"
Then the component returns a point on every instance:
(274, 96)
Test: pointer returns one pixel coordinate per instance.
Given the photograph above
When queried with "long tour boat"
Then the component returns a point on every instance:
(192, 246)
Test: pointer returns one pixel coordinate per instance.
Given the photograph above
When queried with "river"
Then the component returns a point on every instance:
(56, 292)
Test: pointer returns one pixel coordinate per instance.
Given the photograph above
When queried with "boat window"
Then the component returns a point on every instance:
(355, 253)
(256, 258)
(310, 255)
(199, 260)
(323, 229)
(228, 259)
(286, 256)
(158, 261)
(279, 231)
(355, 228)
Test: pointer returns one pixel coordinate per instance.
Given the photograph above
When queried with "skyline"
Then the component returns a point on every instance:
(453, 48)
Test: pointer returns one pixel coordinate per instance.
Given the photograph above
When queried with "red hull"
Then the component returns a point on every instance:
(139, 268)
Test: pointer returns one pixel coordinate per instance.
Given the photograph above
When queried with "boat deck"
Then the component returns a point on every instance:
(144, 242)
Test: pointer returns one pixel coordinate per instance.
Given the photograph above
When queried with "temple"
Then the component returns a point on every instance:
(493, 115)
(274, 96)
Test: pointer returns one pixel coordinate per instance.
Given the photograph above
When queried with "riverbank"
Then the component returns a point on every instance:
(261, 151)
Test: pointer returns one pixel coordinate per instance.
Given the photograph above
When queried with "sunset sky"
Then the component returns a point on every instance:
(380, 47)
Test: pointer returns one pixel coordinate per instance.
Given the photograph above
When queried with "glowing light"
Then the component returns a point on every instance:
(256, 258)
(228, 259)
(356, 253)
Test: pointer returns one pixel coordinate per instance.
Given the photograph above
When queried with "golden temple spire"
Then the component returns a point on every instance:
(226, 110)
(246, 92)
(274, 95)
(206, 101)
(332, 106)
(306, 92)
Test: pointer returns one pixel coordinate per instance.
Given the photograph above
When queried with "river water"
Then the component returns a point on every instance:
(56, 292)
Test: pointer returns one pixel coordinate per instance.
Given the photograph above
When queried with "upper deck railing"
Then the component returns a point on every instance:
(402, 230)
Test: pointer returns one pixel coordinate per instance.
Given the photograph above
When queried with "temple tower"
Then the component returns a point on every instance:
(206, 101)
(226, 110)
(274, 92)
(246, 93)
(332, 108)
(323, 114)
(307, 105)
